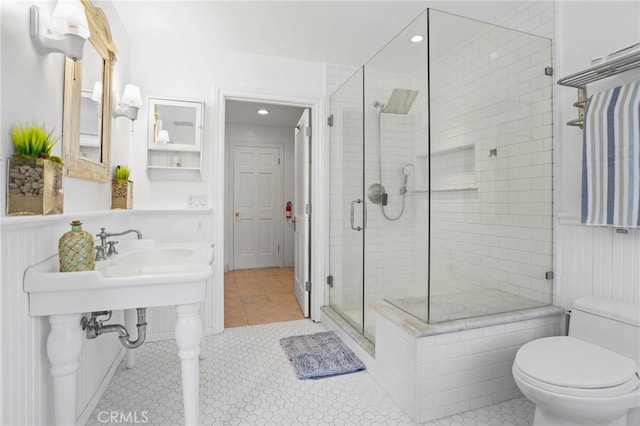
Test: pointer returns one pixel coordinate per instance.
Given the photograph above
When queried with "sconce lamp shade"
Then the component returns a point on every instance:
(131, 96)
(163, 136)
(69, 18)
(64, 32)
(130, 104)
(96, 95)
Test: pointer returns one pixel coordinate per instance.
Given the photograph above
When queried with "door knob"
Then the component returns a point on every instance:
(237, 214)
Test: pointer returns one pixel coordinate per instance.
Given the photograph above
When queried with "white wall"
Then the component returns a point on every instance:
(191, 75)
(588, 260)
(237, 134)
(32, 90)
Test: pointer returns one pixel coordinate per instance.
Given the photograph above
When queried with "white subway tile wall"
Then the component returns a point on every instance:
(490, 97)
(491, 157)
(436, 376)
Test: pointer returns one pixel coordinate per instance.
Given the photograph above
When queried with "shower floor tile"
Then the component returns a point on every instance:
(246, 379)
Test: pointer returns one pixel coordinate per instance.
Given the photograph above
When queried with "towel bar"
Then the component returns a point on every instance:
(616, 65)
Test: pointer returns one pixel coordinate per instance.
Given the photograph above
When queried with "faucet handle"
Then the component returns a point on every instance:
(111, 248)
(100, 253)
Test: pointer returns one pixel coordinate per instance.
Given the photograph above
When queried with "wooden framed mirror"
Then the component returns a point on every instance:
(86, 123)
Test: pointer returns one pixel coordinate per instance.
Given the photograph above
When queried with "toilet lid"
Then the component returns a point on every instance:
(570, 362)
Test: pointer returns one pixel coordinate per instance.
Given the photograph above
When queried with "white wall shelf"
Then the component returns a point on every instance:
(179, 155)
(173, 148)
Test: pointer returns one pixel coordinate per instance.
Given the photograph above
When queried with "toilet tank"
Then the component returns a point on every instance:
(607, 323)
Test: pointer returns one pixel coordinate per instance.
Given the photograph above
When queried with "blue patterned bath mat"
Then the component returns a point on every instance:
(320, 355)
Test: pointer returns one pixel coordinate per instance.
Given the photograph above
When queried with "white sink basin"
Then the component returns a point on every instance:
(143, 274)
(156, 256)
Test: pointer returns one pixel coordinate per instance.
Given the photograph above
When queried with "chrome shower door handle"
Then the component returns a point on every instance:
(352, 214)
(364, 214)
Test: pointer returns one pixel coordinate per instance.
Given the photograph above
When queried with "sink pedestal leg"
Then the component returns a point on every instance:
(188, 336)
(64, 345)
(202, 345)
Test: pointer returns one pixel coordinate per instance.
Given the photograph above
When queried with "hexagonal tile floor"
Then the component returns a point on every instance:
(246, 379)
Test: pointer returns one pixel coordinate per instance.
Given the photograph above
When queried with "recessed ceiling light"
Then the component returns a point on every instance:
(263, 111)
(416, 38)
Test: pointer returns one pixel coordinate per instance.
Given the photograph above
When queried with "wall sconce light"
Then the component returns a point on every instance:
(65, 32)
(130, 103)
(163, 136)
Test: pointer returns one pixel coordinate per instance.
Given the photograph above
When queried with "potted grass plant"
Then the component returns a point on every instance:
(121, 188)
(34, 178)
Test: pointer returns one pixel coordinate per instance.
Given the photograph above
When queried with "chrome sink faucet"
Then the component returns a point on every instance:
(107, 248)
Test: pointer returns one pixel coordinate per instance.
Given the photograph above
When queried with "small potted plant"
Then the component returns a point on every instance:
(121, 189)
(34, 181)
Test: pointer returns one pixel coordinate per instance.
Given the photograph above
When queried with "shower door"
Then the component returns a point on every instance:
(346, 203)
(378, 220)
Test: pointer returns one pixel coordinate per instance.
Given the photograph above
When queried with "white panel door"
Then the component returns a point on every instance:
(257, 203)
(301, 211)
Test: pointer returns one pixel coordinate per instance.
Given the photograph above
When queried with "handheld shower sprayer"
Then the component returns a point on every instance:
(407, 171)
(400, 102)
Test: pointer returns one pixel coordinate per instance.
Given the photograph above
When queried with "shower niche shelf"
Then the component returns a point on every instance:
(453, 169)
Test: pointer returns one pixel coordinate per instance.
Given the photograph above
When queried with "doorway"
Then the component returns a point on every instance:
(260, 181)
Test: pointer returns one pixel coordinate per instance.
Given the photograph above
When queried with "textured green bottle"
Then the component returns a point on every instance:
(75, 249)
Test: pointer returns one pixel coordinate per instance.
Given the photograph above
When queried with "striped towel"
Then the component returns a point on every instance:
(611, 158)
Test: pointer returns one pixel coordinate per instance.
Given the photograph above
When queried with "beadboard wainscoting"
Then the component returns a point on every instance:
(596, 261)
(26, 383)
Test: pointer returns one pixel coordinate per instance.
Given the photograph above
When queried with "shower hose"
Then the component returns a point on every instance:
(380, 169)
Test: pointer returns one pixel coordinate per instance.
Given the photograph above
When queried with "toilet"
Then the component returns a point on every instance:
(589, 377)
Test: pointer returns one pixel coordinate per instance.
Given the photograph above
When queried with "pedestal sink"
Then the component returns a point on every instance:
(143, 274)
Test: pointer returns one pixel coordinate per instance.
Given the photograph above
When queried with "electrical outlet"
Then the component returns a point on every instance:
(197, 201)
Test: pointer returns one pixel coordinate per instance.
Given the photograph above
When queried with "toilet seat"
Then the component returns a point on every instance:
(571, 366)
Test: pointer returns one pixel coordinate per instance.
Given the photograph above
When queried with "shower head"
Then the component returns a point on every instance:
(400, 101)
(408, 169)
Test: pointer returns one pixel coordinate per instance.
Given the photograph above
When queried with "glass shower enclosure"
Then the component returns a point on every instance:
(441, 175)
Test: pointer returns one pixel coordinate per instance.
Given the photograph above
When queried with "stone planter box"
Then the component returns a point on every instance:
(34, 186)
(121, 195)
